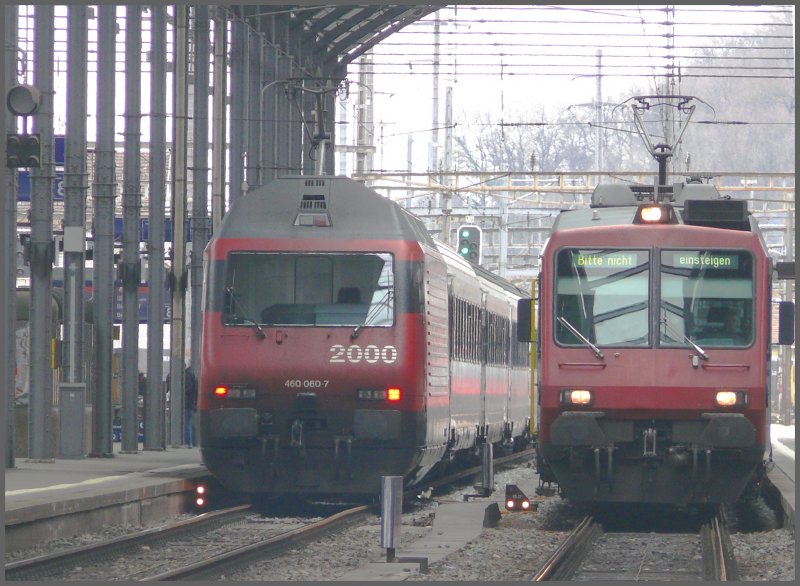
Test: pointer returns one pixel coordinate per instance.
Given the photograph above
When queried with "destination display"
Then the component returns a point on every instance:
(692, 259)
(606, 259)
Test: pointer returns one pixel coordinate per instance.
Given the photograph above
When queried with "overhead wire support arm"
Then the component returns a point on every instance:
(662, 152)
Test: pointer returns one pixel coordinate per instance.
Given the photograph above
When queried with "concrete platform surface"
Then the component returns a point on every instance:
(34, 487)
(454, 525)
(782, 474)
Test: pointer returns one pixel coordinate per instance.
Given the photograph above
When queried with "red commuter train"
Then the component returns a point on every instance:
(341, 343)
(653, 348)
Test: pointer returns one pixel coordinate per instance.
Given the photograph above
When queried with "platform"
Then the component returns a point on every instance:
(67, 497)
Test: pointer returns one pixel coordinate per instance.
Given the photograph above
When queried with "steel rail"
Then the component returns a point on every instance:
(241, 556)
(502, 460)
(719, 560)
(567, 556)
(43, 564)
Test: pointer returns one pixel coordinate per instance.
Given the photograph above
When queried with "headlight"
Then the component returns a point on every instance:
(731, 398)
(576, 397)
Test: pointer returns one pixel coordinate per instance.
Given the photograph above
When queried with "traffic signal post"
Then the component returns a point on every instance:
(23, 150)
(469, 243)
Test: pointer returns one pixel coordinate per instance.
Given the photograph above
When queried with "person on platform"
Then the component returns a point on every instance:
(190, 403)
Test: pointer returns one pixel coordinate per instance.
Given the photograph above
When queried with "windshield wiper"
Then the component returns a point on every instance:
(698, 349)
(245, 314)
(581, 337)
(373, 311)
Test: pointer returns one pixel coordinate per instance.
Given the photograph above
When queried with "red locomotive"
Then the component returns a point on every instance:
(341, 343)
(654, 348)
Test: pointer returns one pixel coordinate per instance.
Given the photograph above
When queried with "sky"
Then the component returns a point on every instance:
(511, 60)
(508, 60)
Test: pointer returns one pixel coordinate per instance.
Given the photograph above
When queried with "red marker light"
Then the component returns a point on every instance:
(393, 394)
(200, 501)
(200, 489)
(510, 505)
(221, 391)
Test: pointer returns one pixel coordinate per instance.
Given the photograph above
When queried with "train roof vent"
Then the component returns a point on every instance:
(694, 190)
(613, 195)
(730, 214)
(313, 211)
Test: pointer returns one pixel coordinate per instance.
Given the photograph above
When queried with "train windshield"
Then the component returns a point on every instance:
(707, 297)
(603, 295)
(309, 289)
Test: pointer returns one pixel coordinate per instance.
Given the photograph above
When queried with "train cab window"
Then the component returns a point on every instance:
(707, 297)
(603, 295)
(309, 289)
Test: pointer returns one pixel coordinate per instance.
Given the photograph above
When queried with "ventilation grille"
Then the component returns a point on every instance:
(313, 203)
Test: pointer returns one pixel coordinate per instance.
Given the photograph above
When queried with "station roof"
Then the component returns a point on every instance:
(330, 35)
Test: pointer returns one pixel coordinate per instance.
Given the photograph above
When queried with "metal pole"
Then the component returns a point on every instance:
(131, 267)
(239, 65)
(72, 391)
(199, 221)
(252, 88)
(8, 241)
(599, 113)
(40, 446)
(154, 431)
(104, 193)
(502, 258)
(391, 513)
(433, 156)
(364, 101)
(447, 199)
(330, 106)
(75, 192)
(178, 270)
(786, 351)
(220, 92)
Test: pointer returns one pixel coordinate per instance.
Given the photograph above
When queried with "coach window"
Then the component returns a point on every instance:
(706, 296)
(603, 294)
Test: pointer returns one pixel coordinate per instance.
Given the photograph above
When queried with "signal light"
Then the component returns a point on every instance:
(200, 496)
(516, 499)
(469, 243)
(653, 213)
(23, 150)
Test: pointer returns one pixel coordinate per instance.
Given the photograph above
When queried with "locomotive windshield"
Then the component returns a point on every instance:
(707, 296)
(603, 294)
(308, 289)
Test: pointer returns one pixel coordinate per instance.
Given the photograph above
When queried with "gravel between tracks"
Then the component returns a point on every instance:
(512, 551)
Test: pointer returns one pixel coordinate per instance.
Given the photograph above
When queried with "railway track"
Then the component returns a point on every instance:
(590, 553)
(201, 562)
(96, 561)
